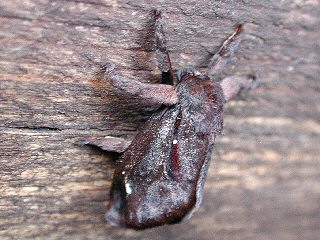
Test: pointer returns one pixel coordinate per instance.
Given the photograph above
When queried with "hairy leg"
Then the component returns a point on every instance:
(162, 54)
(233, 85)
(219, 59)
(110, 144)
(149, 93)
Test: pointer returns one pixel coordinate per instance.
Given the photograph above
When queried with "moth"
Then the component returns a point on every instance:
(160, 176)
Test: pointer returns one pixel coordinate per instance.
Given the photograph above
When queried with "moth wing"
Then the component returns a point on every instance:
(159, 178)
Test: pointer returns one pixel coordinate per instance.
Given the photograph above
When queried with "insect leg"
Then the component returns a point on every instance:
(110, 144)
(162, 54)
(233, 85)
(150, 93)
(219, 59)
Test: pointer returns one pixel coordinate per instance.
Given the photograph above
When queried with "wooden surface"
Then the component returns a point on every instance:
(264, 178)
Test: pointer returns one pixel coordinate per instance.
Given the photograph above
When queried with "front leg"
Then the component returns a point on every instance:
(162, 54)
(149, 93)
(110, 144)
(219, 60)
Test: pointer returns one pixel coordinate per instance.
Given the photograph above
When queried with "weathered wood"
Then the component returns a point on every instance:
(264, 180)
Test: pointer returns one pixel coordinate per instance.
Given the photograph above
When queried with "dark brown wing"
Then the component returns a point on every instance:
(159, 179)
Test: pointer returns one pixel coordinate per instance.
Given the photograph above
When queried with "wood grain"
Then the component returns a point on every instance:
(264, 179)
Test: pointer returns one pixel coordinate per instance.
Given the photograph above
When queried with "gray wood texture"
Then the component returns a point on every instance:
(264, 178)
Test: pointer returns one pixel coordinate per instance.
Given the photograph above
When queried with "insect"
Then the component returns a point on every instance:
(160, 176)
